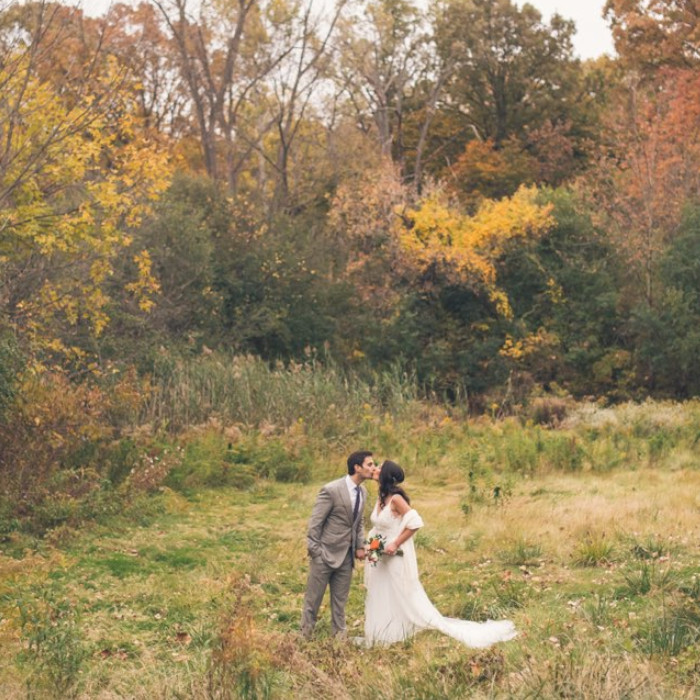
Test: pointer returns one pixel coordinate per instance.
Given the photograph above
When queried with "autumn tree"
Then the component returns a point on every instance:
(249, 70)
(649, 170)
(514, 72)
(650, 34)
(72, 181)
(292, 102)
(484, 171)
(426, 274)
(393, 79)
(518, 90)
(567, 325)
(437, 240)
(137, 38)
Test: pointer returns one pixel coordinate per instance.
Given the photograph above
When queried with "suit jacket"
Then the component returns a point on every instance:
(331, 529)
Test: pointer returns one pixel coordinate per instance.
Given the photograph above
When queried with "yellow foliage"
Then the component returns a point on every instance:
(541, 343)
(464, 247)
(554, 291)
(73, 180)
(146, 285)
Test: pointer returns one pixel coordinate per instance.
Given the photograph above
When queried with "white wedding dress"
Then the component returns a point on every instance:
(397, 607)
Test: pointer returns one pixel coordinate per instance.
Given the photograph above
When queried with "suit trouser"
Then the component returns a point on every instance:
(320, 576)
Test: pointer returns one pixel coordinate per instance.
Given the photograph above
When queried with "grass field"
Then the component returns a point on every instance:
(587, 537)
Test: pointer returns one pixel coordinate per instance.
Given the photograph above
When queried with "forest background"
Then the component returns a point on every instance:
(445, 194)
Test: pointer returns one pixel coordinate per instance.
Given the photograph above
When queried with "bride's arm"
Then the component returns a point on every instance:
(394, 546)
(400, 507)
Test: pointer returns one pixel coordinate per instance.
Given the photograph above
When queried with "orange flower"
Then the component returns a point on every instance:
(375, 544)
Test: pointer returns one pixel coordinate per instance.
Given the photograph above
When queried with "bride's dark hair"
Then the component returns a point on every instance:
(390, 476)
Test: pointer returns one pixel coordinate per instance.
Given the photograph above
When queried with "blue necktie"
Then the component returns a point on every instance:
(357, 503)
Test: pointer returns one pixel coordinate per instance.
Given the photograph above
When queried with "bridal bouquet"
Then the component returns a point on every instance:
(375, 549)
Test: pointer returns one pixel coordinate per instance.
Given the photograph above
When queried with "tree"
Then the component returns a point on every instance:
(649, 169)
(183, 235)
(249, 70)
(361, 230)
(484, 171)
(293, 87)
(391, 74)
(666, 336)
(217, 67)
(567, 325)
(72, 181)
(650, 34)
(513, 73)
(437, 240)
(136, 37)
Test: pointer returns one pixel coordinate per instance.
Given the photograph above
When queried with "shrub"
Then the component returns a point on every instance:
(520, 452)
(209, 459)
(242, 661)
(642, 578)
(563, 452)
(10, 367)
(62, 452)
(548, 411)
(522, 553)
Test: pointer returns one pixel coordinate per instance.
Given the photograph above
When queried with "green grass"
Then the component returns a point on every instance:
(200, 596)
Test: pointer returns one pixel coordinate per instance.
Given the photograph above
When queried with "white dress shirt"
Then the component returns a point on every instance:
(353, 493)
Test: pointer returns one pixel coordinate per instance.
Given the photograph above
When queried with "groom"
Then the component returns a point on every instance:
(334, 537)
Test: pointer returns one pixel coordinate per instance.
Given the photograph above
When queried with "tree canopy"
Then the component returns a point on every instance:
(446, 188)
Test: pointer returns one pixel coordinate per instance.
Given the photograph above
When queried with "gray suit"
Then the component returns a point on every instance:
(332, 539)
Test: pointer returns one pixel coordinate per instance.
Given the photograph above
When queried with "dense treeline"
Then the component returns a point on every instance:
(445, 192)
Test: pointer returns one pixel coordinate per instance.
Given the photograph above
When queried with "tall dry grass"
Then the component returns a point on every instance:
(250, 391)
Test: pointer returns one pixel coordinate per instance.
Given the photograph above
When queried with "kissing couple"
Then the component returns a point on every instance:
(396, 606)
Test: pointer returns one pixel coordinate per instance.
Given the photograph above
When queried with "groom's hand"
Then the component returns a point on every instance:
(360, 553)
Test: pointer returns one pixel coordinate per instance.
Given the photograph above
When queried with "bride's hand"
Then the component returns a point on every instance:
(391, 548)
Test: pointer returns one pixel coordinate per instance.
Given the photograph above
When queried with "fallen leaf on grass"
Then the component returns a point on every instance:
(117, 654)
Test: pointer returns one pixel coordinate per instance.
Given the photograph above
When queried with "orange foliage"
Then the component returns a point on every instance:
(655, 167)
(60, 427)
(484, 171)
(364, 213)
(653, 33)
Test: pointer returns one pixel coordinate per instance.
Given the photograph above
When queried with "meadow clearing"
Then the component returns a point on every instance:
(586, 535)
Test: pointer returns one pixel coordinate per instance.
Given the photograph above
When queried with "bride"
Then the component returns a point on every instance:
(396, 606)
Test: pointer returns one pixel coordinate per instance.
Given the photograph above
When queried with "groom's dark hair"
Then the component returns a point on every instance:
(356, 459)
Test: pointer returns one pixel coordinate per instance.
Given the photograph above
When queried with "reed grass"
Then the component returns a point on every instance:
(251, 392)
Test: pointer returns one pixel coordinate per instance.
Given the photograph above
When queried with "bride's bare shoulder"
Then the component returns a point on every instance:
(399, 504)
